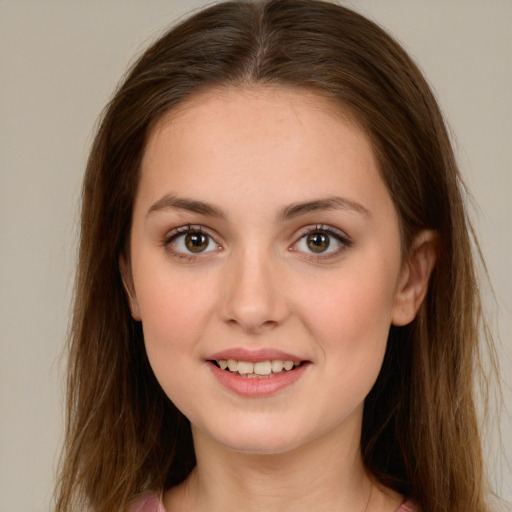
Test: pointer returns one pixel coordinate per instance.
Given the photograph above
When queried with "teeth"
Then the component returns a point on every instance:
(263, 368)
(244, 368)
(277, 366)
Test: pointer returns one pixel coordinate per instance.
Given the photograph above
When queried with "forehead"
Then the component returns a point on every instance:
(278, 141)
(212, 105)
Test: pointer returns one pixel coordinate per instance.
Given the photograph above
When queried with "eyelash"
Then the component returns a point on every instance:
(185, 230)
(344, 241)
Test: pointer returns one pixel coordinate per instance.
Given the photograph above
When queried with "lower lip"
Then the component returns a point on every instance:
(257, 387)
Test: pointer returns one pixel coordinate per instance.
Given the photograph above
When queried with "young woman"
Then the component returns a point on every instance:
(276, 305)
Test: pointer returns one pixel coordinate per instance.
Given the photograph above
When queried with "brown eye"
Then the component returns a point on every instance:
(317, 241)
(191, 241)
(322, 242)
(196, 242)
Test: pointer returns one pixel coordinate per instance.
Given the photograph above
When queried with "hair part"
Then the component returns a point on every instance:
(123, 434)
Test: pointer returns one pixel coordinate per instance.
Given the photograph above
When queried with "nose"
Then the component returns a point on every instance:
(254, 292)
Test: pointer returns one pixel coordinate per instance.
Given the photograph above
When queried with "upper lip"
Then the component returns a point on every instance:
(254, 355)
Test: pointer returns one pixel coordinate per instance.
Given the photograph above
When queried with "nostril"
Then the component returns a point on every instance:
(252, 325)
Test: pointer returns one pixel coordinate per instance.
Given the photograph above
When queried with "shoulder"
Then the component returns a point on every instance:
(147, 502)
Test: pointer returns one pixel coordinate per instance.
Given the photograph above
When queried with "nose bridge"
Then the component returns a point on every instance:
(253, 296)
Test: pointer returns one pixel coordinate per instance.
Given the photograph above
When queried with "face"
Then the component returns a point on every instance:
(265, 267)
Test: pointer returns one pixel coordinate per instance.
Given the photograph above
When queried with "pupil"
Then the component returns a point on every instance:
(318, 242)
(196, 242)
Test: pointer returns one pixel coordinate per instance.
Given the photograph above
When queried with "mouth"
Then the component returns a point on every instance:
(256, 370)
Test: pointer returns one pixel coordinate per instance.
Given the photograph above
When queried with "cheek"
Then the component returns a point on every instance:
(174, 309)
(350, 314)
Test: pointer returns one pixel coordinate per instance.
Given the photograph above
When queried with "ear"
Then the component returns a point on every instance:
(414, 279)
(129, 288)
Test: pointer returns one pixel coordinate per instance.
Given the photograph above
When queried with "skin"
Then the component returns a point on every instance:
(252, 153)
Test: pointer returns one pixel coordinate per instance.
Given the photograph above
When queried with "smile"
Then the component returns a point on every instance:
(259, 369)
(257, 379)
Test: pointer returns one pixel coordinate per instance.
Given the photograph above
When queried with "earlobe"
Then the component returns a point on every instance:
(414, 281)
(126, 277)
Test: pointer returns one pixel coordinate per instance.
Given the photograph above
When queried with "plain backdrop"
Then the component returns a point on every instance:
(59, 63)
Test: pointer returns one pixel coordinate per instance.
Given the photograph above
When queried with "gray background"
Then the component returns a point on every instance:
(59, 63)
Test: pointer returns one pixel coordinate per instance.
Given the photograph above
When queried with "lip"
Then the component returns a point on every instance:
(256, 387)
(254, 356)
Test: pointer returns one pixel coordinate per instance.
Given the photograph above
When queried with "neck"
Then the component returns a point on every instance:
(326, 473)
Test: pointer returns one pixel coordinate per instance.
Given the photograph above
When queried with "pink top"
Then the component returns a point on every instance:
(148, 503)
(407, 506)
(151, 503)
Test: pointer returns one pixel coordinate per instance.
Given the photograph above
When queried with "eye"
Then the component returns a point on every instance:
(191, 240)
(322, 241)
(317, 241)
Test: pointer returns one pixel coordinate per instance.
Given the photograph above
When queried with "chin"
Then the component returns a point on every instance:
(260, 445)
(257, 438)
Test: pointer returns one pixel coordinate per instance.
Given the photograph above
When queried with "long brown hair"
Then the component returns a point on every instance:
(420, 434)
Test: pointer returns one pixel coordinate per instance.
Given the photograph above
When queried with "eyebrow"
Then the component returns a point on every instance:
(328, 203)
(171, 202)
